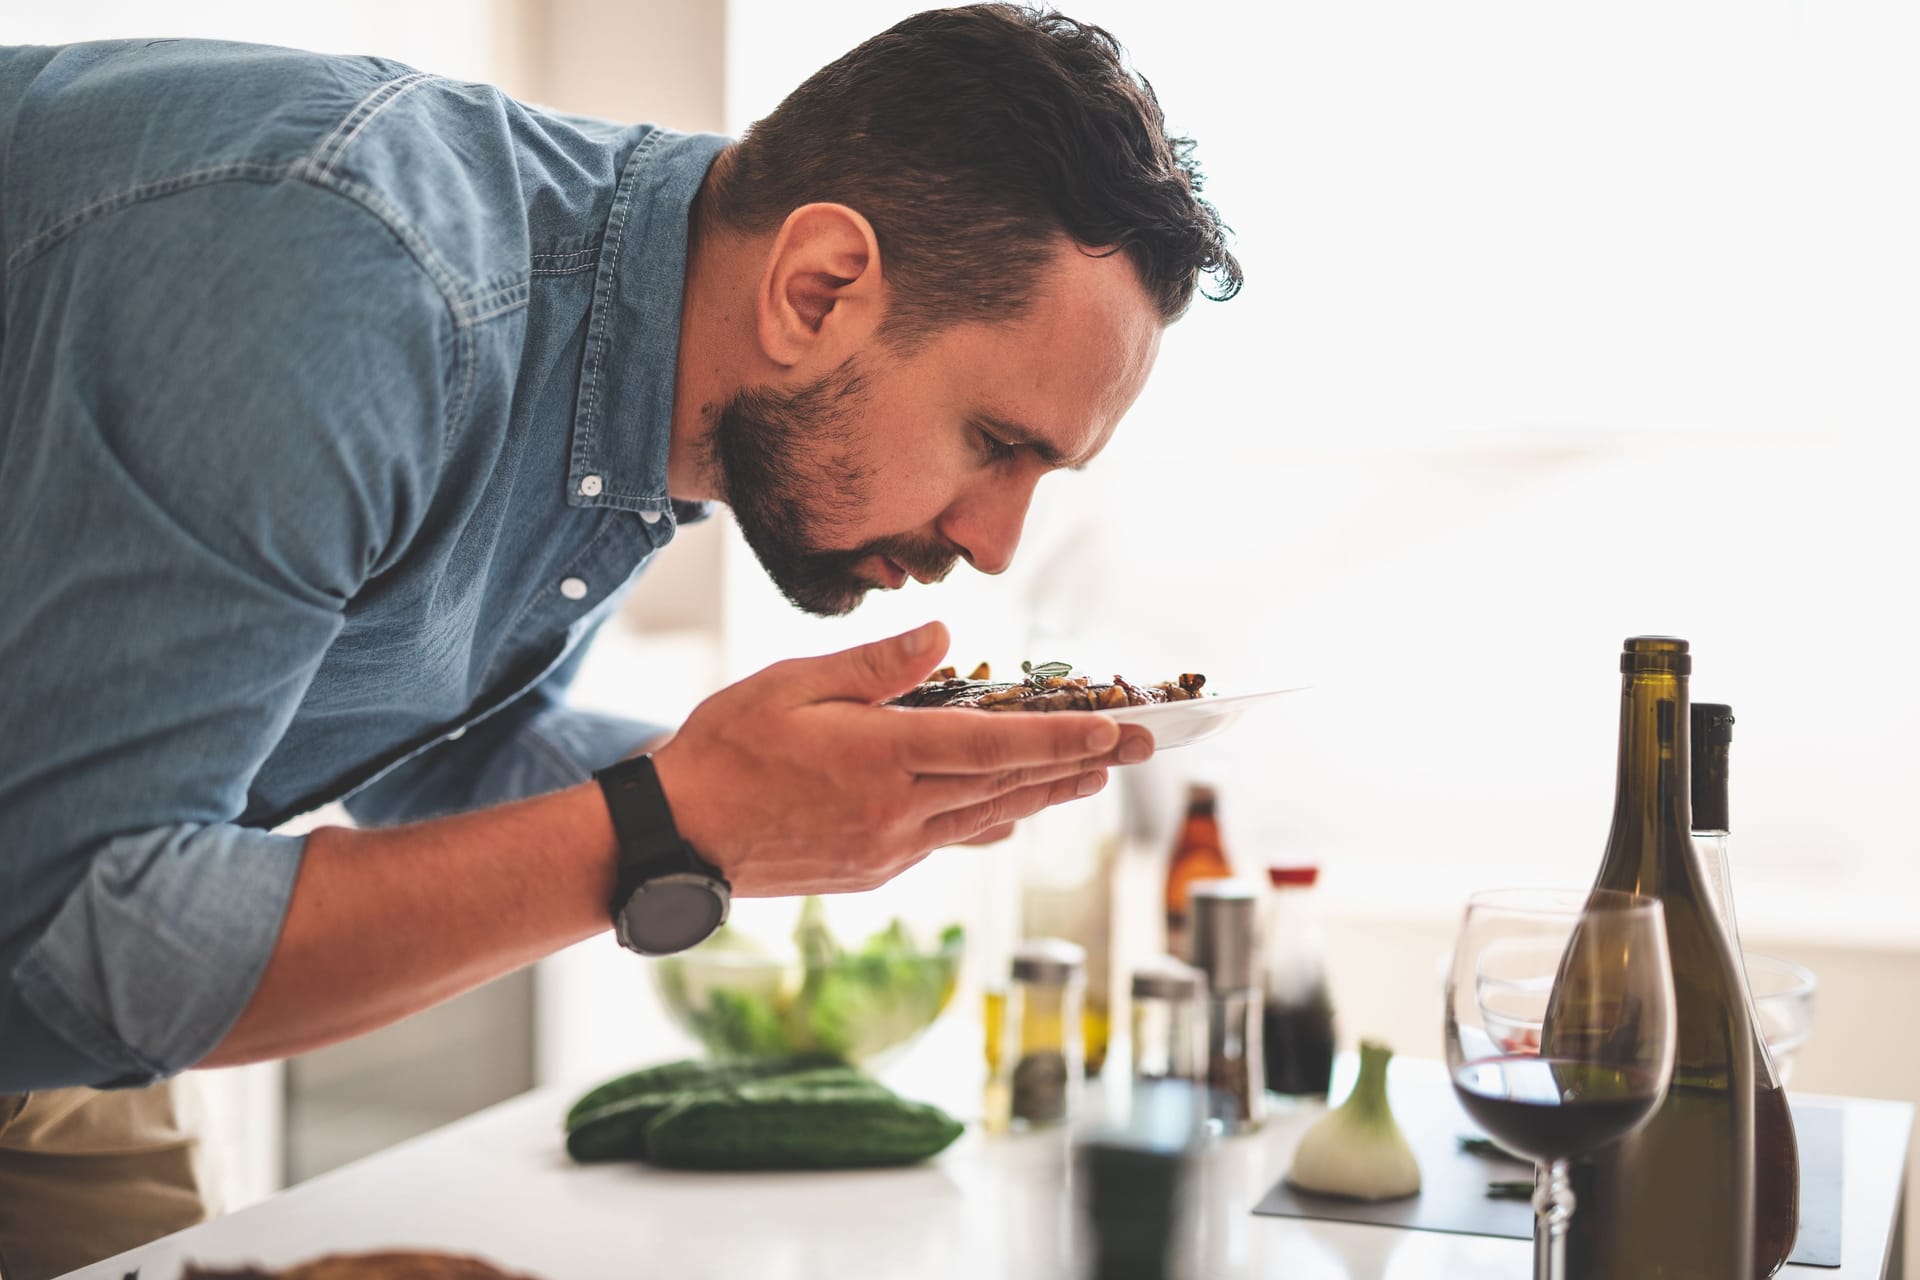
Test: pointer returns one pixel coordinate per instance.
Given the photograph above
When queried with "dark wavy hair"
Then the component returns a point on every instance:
(971, 138)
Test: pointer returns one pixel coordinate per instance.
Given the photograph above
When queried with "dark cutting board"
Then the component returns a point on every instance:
(1454, 1183)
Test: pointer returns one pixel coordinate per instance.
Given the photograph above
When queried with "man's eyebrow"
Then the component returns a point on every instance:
(1016, 433)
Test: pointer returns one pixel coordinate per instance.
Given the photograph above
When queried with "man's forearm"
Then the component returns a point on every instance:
(389, 922)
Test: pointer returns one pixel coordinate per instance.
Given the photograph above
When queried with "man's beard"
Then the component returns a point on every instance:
(787, 467)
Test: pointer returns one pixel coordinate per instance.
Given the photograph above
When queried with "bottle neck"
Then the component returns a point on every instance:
(1199, 831)
(1652, 810)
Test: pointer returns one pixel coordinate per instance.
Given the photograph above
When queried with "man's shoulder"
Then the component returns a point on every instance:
(87, 129)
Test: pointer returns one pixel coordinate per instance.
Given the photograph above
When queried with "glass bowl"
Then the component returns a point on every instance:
(741, 997)
(1783, 997)
(1513, 999)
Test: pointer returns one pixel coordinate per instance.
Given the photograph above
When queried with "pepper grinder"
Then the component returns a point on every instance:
(1225, 947)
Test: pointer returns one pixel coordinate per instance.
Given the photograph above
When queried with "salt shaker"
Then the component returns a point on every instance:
(1225, 946)
(1043, 1058)
(1169, 1021)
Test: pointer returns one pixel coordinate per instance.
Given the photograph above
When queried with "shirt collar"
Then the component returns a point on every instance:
(624, 416)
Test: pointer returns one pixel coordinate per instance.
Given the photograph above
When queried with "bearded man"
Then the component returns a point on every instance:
(341, 403)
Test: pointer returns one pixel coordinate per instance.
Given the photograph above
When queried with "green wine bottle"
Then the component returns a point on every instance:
(1674, 1200)
(1776, 1168)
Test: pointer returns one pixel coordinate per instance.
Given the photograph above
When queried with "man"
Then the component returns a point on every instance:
(341, 403)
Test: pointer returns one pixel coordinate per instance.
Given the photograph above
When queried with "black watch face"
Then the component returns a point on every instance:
(672, 915)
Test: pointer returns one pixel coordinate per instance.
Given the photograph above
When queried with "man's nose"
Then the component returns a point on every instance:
(986, 527)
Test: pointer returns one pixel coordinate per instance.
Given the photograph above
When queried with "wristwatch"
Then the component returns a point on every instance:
(667, 897)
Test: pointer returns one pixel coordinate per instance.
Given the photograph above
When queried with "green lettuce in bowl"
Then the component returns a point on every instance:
(742, 1001)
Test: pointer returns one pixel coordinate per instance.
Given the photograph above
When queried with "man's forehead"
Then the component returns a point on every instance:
(1074, 361)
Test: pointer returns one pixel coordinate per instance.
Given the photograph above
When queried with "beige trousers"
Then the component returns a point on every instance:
(85, 1174)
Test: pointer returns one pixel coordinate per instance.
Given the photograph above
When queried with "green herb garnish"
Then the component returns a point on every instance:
(1046, 670)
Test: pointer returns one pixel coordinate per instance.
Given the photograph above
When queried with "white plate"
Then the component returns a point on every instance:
(1175, 724)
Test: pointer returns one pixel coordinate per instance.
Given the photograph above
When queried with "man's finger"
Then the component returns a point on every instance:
(942, 792)
(960, 825)
(870, 672)
(992, 835)
(958, 740)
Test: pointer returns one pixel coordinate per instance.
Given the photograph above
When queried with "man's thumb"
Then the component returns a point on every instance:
(878, 671)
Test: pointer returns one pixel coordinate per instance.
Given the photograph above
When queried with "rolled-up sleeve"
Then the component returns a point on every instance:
(211, 442)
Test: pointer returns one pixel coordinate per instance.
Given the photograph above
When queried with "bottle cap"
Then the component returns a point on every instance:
(1053, 961)
(1224, 939)
(1165, 978)
(1303, 875)
(1710, 733)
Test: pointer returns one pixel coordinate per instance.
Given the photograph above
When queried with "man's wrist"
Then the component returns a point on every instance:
(666, 897)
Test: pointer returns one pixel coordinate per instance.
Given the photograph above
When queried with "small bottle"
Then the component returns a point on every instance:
(1042, 1061)
(1225, 944)
(1777, 1166)
(1197, 855)
(1297, 1022)
(1169, 1021)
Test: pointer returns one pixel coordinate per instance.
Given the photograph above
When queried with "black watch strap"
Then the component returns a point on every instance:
(650, 843)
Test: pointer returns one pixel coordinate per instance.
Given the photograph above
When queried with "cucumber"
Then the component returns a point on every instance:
(840, 1081)
(689, 1074)
(617, 1130)
(827, 1128)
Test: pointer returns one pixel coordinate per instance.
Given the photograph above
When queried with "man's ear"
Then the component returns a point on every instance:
(822, 292)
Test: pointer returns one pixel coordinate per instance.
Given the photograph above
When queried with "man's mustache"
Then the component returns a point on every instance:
(928, 562)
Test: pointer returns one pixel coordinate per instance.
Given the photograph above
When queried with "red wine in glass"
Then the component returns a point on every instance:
(1552, 1109)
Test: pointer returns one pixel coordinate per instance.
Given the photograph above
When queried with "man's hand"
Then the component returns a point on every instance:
(792, 781)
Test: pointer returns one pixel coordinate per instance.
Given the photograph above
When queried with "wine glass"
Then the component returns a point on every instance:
(1590, 971)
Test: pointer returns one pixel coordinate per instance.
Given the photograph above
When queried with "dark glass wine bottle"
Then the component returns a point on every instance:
(1776, 1150)
(1674, 1200)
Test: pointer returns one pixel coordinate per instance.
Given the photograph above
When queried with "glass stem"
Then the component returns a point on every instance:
(1552, 1211)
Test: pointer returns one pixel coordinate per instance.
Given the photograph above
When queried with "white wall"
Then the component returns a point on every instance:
(1560, 326)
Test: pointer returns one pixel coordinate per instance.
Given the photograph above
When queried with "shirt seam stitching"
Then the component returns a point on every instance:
(580, 257)
(361, 116)
(41, 241)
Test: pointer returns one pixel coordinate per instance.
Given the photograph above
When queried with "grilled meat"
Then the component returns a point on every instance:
(1045, 693)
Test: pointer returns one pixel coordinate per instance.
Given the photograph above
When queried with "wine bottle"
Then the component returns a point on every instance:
(1675, 1199)
(1776, 1149)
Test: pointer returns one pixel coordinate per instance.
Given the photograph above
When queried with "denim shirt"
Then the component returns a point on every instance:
(334, 412)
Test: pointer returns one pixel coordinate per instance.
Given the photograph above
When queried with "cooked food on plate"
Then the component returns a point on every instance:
(1049, 686)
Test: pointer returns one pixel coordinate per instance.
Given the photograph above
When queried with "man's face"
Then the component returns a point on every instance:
(890, 466)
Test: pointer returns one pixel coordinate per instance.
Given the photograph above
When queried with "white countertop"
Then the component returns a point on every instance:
(499, 1184)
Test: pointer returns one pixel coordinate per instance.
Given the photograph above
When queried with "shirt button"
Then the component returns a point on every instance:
(574, 588)
(590, 486)
(651, 517)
